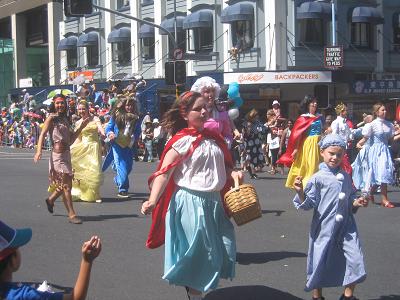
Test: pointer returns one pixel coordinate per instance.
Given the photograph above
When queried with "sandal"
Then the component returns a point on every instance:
(74, 220)
(387, 204)
(50, 207)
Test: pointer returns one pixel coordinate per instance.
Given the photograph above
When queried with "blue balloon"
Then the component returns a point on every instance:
(238, 101)
(233, 90)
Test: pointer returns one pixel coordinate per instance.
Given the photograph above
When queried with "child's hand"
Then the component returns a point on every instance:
(360, 202)
(91, 249)
(37, 157)
(147, 207)
(298, 184)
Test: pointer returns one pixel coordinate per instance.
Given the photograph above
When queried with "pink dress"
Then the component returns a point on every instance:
(60, 163)
(219, 122)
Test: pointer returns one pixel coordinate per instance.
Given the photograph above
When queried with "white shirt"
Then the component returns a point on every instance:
(378, 127)
(341, 128)
(204, 170)
(273, 143)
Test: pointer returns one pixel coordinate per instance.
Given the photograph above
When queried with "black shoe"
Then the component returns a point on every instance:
(319, 298)
(122, 195)
(253, 176)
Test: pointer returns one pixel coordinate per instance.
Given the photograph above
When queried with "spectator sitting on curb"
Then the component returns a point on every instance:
(10, 261)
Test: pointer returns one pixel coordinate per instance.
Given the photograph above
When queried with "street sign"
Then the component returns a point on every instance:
(333, 57)
(178, 54)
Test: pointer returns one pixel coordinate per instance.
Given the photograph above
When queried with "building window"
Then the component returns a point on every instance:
(396, 32)
(203, 39)
(242, 35)
(148, 48)
(92, 55)
(121, 52)
(181, 43)
(122, 3)
(312, 32)
(72, 58)
(361, 35)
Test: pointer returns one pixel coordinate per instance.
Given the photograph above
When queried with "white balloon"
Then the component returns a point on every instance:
(233, 113)
(339, 218)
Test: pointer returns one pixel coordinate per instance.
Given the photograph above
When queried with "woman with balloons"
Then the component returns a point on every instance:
(223, 106)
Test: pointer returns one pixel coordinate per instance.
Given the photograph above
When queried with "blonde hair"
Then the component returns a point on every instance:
(376, 107)
(340, 107)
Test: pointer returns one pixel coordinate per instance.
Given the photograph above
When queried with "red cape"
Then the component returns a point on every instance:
(296, 136)
(156, 235)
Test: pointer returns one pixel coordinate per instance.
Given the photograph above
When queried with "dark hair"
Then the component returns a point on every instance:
(173, 119)
(305, 102)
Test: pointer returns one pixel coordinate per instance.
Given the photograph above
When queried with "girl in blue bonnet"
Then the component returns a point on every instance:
(335, 257)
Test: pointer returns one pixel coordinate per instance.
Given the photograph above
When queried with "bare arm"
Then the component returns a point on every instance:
(160, 182)
(282, 140)
(46, 127)
(90, 250)
(361, 142)
(298, 186)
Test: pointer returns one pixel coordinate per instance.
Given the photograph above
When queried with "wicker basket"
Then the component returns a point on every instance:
(242, 202)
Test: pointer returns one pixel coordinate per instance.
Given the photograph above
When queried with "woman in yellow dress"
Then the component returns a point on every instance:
(86, 158)
(302, 154)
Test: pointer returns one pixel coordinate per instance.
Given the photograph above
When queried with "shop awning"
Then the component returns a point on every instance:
(199, 19)
(146, 31)
(168, 24)
(121, 35)
(68, 43)
(366, 14)
(314, 10)
(242, 11)
(88, 39)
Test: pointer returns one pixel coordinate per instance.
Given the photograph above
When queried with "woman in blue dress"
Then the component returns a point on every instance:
(380, 162)
(360, 165)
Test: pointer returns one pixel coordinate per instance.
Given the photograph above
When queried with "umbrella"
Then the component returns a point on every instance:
(48, 101)
(64, 92)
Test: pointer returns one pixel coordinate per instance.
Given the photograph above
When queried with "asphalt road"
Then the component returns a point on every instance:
(271, 250)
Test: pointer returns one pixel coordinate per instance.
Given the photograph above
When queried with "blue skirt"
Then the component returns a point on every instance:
(380, 163)
(200, 245)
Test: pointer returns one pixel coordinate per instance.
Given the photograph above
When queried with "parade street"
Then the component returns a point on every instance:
(271, 251)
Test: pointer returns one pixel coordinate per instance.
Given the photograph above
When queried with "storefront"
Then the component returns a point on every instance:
(259, 89)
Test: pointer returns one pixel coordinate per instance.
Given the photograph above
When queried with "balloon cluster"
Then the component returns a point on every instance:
(233, 94)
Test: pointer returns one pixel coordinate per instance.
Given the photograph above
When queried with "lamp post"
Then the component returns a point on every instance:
(333, 23)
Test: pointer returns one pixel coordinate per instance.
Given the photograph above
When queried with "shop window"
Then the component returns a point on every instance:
(121, 52)
(361, 35)
(312, 32)
(148, 48)
(92, 55)
(72, 58)
(203, 39)
(181, 43)
(242, 35)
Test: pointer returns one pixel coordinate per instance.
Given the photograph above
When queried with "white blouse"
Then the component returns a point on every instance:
(204, 170)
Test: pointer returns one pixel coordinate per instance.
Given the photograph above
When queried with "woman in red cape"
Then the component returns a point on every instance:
(185, 199)
(302, 154)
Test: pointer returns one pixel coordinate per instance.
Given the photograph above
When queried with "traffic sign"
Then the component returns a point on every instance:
(178, 53)
(333, 57)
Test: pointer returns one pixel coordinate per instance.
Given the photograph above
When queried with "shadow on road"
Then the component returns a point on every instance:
(277, 213)
(107, 217)
(249, 292)
(132, 197)
(264, 257)
(389, 297)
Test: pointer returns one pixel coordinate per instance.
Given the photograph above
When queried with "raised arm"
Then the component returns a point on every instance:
(160, 182)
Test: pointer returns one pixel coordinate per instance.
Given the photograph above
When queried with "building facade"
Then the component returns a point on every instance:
(273, 48)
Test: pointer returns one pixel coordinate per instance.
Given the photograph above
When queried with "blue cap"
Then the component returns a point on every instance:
(332, 140)
(13, 238)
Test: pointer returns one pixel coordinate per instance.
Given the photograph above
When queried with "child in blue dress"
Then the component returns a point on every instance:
(335, 257)
(200, 246)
